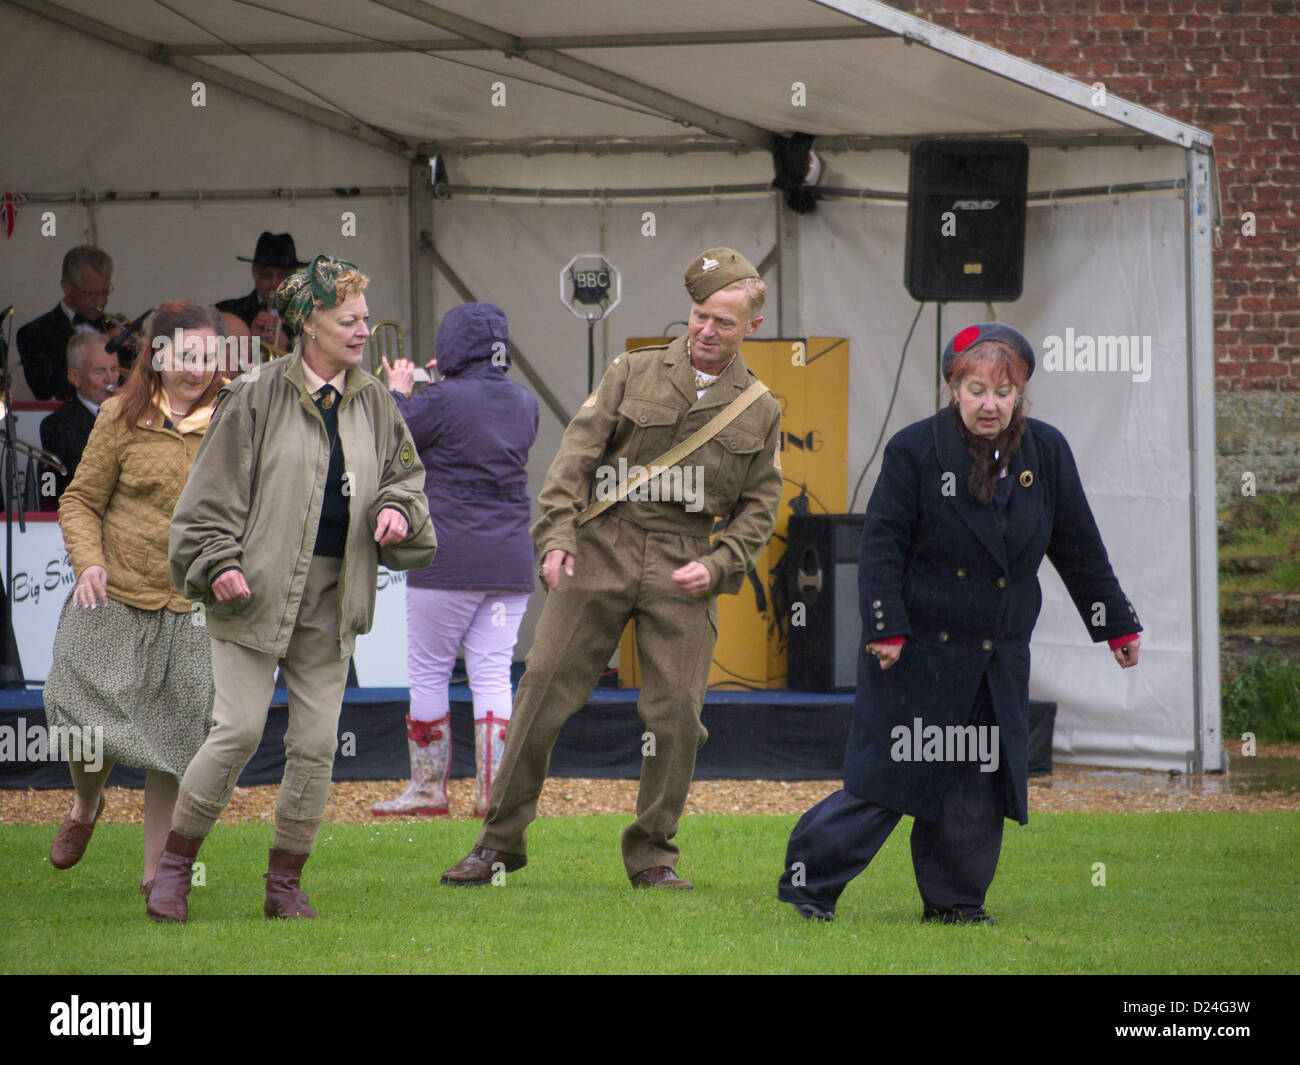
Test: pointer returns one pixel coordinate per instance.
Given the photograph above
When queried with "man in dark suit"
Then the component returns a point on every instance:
(274, 259)
(43, 342)
(94, 375)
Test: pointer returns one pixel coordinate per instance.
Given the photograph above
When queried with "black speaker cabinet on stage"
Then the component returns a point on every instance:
(966, 220)
(822, 575)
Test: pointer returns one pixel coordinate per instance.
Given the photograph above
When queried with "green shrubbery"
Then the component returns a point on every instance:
(1263, 697)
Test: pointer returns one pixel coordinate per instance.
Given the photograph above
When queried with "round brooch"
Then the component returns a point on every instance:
(1026, 479)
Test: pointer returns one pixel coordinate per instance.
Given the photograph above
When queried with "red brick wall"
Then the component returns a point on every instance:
(1231, 67)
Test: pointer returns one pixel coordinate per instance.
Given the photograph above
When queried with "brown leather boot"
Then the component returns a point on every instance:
(284, 898)
(70, 842)
(171, 884)
(480, 865)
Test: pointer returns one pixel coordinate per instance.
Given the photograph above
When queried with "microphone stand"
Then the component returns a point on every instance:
(12, 674)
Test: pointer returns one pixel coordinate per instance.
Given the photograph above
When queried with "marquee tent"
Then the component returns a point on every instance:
(172, 133)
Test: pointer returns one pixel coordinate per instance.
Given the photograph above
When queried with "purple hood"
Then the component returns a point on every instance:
(472, 333)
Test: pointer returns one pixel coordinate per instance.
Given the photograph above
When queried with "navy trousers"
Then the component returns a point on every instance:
(954, 858)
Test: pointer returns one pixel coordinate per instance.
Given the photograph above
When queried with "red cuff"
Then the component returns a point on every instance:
(1116, 642)
(892, 640)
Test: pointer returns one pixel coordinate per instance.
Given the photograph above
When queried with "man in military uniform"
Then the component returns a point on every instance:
(648, 557)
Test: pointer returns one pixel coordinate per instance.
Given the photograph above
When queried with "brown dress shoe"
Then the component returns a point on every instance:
(71, 839)
(284, 896)
(476, 867)
(171, 883)
(660, 876)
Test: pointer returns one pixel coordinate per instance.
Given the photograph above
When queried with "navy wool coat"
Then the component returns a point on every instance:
(939, 568)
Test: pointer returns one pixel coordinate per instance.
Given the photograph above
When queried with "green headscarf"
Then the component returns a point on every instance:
(299, 293)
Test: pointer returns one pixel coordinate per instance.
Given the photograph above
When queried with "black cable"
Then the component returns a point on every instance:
(898, 375)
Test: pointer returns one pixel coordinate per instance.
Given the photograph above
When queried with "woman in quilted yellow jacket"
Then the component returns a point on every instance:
(132, 676)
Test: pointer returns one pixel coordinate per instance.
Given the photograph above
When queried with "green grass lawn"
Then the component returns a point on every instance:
(1184, 893)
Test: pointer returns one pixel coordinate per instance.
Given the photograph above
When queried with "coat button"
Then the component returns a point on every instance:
(943, 637)
(875, 604)
(1002, 582)
(880, 613)
(987, 645)
(879, 625)
(641, 419)
(961, 574)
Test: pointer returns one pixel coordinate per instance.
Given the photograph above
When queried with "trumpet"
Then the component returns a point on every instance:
(386, 342)
(130, 346)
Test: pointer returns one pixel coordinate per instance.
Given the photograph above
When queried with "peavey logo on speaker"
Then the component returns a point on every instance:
(974, 205)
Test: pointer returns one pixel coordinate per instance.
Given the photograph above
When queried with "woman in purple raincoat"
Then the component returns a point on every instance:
(473, 430)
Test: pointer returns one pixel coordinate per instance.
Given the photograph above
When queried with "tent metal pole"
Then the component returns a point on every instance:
(788, 320)
(419, 217)
(467, 147)
(534, 378)
(1200, 217)
(830, 192)
(108, 197)
(339, 123)
(674, 107)
(570, 41)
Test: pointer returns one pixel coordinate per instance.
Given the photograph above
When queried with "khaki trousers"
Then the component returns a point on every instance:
(245, 680)
(620, 572)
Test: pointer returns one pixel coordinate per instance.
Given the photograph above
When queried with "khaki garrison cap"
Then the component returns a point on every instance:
(714, 269)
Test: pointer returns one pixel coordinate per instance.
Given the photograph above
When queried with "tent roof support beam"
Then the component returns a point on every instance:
(825, 143)
(320, 116)
(572, 41)
(673, 107)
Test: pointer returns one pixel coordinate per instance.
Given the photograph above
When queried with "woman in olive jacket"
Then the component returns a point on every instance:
(308, 478)
(967, 504)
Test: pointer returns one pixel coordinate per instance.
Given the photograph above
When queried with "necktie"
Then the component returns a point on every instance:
(81, 319)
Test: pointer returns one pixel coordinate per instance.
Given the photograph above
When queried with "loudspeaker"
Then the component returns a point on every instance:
(821, 563)
(966, 220)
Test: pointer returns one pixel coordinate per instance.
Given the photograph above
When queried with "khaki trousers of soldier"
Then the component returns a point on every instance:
(620, 572)
(315, 676)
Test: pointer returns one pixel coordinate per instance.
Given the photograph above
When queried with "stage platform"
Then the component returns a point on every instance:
(753, 735)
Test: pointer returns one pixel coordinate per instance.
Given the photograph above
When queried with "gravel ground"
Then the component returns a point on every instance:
(1074, 789)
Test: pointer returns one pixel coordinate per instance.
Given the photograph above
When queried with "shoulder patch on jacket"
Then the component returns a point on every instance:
(406, 455)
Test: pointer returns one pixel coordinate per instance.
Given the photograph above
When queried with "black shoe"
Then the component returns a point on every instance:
(813, 912)
(957, 916)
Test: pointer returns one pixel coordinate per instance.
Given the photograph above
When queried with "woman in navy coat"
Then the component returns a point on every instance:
(967, 504)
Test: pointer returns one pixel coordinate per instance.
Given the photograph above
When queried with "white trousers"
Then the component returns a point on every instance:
(438, 622)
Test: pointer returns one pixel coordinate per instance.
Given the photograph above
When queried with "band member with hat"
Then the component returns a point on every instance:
(967, 504)
(647, 557)
(274, 259)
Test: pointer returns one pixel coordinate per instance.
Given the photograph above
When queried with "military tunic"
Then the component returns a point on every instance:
(623, 564)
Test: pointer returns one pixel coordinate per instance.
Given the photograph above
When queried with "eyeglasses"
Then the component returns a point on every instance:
(103, 293)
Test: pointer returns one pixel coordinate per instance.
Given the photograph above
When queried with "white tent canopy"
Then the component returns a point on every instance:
(562, 124)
